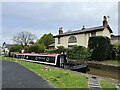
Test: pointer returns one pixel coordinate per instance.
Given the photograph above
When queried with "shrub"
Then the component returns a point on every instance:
(37, 48)
(15, 48)
(78, 53)
(50, 51)
(116, 51)
(101, 47)
(59, 50)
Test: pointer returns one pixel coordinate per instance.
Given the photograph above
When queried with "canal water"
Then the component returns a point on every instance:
(104, 73)
(100, 72)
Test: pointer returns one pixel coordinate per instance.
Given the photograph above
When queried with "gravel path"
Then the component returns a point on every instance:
(17, 76)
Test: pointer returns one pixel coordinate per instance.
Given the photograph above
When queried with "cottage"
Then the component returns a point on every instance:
(81, 37)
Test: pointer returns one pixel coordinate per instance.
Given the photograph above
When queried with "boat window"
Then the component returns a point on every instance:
(46, 59)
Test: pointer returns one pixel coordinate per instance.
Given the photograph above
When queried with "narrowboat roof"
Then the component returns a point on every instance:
(36, 54)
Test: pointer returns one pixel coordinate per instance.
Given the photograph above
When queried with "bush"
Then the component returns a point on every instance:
(101, 47)
(77, 52)
(37, 48)
(60, 50)
(16, 48)
(50, 51)
(116, 51)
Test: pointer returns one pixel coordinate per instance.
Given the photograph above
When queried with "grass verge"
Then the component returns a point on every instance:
(58, 77)
(113, 62)
(107, 85)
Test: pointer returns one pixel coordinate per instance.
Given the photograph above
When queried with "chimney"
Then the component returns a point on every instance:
(105, 23)
(83, 27)
(61, 30)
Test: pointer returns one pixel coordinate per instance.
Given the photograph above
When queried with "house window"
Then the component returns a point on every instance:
(93, 34)
(58, 40)
(72, 39)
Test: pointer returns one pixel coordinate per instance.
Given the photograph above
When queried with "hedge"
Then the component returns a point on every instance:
(101, 47)
(77, 52)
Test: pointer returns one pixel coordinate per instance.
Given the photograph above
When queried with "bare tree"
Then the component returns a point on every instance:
(24, 38)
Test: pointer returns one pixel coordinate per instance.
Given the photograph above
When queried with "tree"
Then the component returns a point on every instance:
(24, 38)
(46, 39)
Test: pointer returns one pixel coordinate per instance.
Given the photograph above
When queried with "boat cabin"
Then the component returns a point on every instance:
(58, 60)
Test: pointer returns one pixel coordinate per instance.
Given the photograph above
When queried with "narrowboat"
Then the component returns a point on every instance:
(58, 60)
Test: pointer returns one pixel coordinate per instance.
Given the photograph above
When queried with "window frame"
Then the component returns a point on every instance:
(74, 39)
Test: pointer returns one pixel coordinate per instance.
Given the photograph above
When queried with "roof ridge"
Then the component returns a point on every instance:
(85, 28)
(91, 29)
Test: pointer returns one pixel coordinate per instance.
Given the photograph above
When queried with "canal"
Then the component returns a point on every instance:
(114, 74)
(104, 73)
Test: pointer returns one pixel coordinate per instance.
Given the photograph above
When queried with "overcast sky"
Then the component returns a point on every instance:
(46, 17)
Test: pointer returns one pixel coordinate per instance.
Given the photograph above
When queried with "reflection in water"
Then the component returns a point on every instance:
(104, 73)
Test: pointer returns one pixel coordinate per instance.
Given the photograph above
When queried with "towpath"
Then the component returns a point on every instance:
(17, 76)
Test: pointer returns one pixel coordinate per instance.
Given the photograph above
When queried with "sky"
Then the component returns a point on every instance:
(46, 17)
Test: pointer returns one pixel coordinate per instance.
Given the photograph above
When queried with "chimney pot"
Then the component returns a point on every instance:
(61, 30)
(83, 27)
(105, 23)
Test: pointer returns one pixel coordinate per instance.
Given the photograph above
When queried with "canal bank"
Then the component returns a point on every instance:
(64, 78)
(101, 69)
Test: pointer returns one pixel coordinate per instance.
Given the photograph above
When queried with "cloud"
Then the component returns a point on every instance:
(60, 0)
(41, 17)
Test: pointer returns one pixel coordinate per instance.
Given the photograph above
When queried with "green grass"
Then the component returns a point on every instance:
(58, 77)
(113, 62)
(107, 85)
